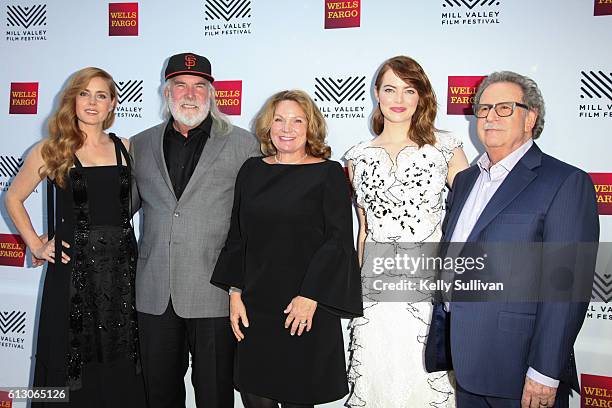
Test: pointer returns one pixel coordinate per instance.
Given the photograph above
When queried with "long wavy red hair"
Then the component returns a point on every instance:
(65, 137)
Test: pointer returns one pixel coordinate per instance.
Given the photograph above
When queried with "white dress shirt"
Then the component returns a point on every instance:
(489, 180)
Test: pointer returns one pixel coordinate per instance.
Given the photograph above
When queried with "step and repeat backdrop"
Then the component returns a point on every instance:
(331, 49)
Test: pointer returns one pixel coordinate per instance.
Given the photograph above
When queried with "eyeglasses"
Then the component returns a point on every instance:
(503, 109)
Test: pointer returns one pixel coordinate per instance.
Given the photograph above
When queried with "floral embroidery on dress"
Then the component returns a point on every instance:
(403, 201)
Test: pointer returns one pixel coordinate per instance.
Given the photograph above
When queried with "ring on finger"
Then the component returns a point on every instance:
(303, 322)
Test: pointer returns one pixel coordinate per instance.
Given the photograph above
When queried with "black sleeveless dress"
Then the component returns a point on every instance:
(87, 337)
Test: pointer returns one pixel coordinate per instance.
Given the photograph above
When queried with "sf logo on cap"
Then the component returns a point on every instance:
(190, 60)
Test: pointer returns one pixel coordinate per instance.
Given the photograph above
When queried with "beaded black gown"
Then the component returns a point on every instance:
(87, 336)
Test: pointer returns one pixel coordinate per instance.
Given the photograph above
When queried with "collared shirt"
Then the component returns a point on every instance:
(183, 153)
(490, 179)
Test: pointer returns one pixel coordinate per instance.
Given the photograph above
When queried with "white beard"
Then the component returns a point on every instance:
(188, 119)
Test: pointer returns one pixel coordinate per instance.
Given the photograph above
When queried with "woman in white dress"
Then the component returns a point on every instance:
(399, 179)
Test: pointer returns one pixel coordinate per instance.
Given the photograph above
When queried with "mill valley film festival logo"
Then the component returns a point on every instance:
(461, 91)
(600, 307)
(602, 285)
(603, 8)
(341, 98)
(470, 12)
(9, 167)
(229, 96)
(23, 98)
(122, 19)
(12, 329)
(596, 391)
(12, 250)
(26, 23)
(129, 98)
(342, 14)
(596, 91)
(227, 17)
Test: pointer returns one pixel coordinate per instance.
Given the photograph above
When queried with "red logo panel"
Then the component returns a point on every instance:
(24, 98)
(123, 19)
(5, 401)
(461, 91)
(596, 391)
(603, 8)
(12, 250)
(603, 189)
(342, 14)
(229, 96)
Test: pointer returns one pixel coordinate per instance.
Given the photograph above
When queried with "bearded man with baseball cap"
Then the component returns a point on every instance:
(185, 169)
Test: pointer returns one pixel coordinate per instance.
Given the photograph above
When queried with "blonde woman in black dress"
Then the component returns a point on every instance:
(87, 337)
(289, 262)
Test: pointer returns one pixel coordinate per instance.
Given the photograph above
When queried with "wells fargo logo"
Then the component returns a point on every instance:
(123, 19)
(342, 14)
(603, 8)
(603, 189)
(24, 98)
(12, 250)
(5, 401)
(461, 91)
(596, 391)
(229, 96)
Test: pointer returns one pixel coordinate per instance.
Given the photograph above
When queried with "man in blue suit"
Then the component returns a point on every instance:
(517, 354)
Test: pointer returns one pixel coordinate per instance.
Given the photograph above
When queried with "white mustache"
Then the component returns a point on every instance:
(491, 126)
(187, 101)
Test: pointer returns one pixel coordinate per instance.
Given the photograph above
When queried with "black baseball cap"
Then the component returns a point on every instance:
(188, 63)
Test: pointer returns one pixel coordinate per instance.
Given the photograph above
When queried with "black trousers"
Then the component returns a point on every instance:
(165, 344)
(466, 399)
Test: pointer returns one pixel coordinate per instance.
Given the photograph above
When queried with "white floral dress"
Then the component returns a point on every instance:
(403, 202)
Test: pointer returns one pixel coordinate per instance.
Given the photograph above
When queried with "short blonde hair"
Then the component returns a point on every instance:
(317, 129)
